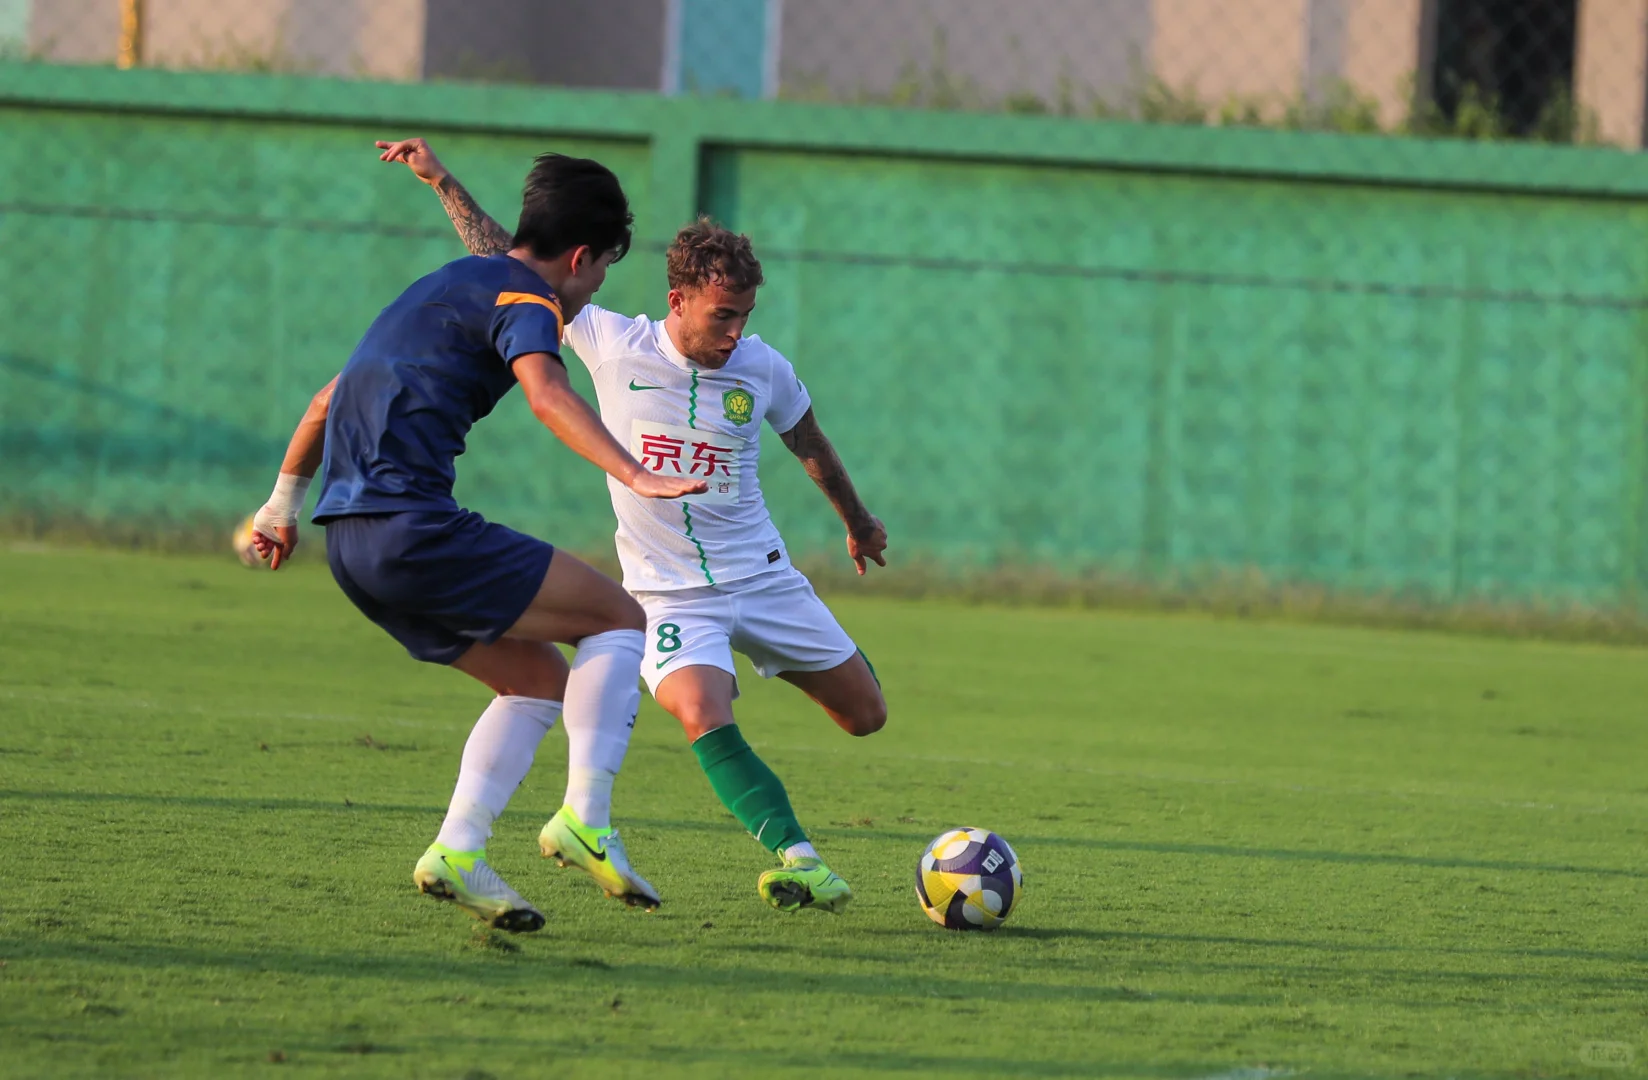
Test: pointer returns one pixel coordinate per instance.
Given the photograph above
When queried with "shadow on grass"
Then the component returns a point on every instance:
(1056, 933)
(1024, 843)
(1265, 965)
(503, 1050)
(518, 962)
(244, 804)
(520, 969)
(962, 1005)
(917, 839)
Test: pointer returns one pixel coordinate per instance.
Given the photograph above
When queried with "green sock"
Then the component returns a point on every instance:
(748, 788)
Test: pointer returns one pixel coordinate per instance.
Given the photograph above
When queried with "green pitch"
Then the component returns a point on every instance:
(1250, 849)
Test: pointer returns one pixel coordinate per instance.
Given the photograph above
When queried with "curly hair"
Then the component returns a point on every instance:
(704, 253)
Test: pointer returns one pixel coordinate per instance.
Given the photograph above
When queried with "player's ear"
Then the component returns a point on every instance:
(582, 259)
(677, 301)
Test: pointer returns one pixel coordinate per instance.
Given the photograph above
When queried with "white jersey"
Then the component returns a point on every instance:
(683, 420)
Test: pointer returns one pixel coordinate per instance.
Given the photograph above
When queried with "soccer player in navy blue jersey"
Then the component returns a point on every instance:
(456, 589)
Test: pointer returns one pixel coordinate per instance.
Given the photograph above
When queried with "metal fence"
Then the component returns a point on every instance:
(1160, 350)
(1553, 70)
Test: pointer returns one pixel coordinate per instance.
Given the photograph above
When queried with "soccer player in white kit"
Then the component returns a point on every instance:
(688, 396)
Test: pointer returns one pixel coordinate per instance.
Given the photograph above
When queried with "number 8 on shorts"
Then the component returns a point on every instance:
(669, 637)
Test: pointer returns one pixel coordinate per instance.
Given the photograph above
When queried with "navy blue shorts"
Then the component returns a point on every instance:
(439, 581)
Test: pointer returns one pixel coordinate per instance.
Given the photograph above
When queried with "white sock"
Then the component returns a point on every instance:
(589, 793)
(602, 697)
(803, 850)
(495, 761)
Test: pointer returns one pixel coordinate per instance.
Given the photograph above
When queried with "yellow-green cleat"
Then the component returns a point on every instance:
(598, 853)
(463, 878)
(804, 883)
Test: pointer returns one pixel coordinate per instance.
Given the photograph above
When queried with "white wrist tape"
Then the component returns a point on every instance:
(286, 502)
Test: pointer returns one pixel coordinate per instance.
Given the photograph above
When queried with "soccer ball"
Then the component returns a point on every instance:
(241, 541)
(968, 879)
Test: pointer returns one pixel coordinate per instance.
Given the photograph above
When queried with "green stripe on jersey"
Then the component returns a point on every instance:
(703, 559)
(686, 511)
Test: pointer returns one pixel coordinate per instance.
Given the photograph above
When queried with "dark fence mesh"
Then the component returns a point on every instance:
(1385, 363)
(1555, 70)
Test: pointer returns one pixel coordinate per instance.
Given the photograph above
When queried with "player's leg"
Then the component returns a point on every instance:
(788, 632)
(373, 562)
(573, 604)
(578, 605)
(529, 679)
(689, 669)
(500, 753)
(848, 692)
(575, 601)
(688, 633)
(458, 590)
(701, 698)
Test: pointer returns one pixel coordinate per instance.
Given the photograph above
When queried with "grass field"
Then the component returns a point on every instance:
(1251, 850)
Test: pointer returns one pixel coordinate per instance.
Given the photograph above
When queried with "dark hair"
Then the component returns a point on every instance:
(704, 252)
(572, 202)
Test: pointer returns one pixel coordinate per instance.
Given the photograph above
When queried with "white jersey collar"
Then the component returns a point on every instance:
(666, 345)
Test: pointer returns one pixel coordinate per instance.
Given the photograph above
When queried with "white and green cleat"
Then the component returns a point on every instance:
(805, 883)
(463, 878)
(598, 853)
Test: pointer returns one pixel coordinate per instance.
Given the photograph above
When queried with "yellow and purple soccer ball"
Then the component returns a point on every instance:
(968, 879)
(241, 542)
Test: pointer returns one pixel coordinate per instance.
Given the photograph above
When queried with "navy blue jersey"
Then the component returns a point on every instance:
(433, 363)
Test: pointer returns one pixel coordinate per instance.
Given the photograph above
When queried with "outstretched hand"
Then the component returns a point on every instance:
(416, 155)
(651, 485)
(867, 541)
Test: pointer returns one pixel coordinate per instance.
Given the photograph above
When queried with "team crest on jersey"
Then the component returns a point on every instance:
(738, 405)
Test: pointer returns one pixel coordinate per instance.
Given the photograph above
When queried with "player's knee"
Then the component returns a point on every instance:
(512, 667)
(629, 616)
(543, 685)
(699, 710)
(537, 671)
(538, 691)
(699, 719)
(868, 718)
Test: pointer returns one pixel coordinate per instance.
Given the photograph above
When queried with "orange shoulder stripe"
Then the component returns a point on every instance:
(505, 298)
(528, 298)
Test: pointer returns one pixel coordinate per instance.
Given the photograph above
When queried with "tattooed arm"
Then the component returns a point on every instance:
(480, 233)
(866, 536)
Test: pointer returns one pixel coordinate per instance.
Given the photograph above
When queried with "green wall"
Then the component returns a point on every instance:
(1373, 364)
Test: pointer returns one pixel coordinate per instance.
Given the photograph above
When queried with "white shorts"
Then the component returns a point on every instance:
(774, 619)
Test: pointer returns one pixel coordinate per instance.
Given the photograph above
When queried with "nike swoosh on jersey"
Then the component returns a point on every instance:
(664, 661)
(632, 386)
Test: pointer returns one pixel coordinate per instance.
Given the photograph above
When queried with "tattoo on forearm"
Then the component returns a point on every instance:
(480, 234)
(808, 443)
